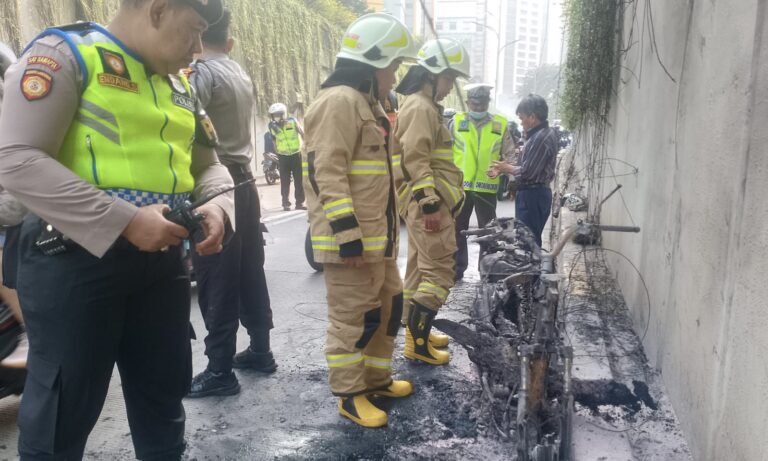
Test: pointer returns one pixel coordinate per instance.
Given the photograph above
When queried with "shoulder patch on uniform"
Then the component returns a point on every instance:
(36, 84)
(496, 128)
(464, 125)
(46, 61)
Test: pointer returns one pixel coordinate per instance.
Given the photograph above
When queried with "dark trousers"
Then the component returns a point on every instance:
(484, 205)
(532, 207)
(291, 165)
(84, 314)
(232, 287)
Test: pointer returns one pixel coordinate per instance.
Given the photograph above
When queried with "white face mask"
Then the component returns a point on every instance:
(478, 115)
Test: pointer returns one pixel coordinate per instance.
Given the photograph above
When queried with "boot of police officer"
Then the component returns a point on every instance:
(353, 214)
(431, 194)
(100, 137)
(480, 138)
(231, 285)
(286, 134)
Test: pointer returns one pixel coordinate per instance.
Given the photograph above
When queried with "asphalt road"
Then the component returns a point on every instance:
(291, 414)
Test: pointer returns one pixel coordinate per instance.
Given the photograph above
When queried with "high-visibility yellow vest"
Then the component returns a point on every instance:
(474, 151)
(286, 138)
(133, 132)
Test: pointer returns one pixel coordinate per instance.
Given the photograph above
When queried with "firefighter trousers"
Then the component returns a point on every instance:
(430, 269)
(364, 309)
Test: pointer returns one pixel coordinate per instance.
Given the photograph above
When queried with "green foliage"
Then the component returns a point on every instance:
(10, 18)
(592, 28)
(288, 47)
(333, 11)
(358, 7)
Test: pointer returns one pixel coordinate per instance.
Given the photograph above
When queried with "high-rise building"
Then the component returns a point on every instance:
(413, 15)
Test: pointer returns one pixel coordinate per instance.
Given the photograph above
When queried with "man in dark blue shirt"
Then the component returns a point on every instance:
(536, 170)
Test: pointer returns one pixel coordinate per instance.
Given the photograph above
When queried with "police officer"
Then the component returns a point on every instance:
(353, 214)
(431, 195)
(480, 137)
(286, 133)
(98, 140)
(231, 285)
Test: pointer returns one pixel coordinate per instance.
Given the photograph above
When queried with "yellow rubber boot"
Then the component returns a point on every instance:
(438, 340)
(396, 389)
(417, 332)
(360, 410)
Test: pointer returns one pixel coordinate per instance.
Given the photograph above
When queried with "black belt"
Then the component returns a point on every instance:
(240, 173)
(536, 185)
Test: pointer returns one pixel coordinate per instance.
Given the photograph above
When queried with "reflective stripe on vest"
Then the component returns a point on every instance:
(286, 138)
(474, 152)
(132, 134)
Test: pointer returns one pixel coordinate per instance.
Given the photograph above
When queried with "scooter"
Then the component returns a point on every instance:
(270, 167)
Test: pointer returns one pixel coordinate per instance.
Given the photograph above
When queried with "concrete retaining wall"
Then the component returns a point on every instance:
(701, 145)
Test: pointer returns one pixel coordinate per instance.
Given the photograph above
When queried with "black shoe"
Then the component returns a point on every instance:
(286, 208)
(258, 361)
(301, 207)
(210, 383)
(458, 276)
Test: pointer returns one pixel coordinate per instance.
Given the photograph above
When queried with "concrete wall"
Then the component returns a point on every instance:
(701, 146)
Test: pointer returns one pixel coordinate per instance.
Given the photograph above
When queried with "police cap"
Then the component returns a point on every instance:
(210, 10)
(479, 92)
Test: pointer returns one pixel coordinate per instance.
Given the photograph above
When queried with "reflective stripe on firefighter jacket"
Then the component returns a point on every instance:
(287, 140)
(349, 183)
(475, 151)
(424, 145)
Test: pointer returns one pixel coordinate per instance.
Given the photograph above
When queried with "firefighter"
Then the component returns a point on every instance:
(431, 195)
(353, 214)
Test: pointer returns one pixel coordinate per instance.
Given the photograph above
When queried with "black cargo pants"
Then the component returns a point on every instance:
(84, 314)
(232, 287)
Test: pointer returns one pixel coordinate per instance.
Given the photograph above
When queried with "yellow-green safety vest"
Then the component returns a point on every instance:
(286, 138)
(473, 152)
(133, 132)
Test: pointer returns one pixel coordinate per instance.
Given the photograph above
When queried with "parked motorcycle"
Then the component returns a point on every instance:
(270, 167)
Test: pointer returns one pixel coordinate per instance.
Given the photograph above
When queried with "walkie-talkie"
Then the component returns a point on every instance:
(185, 215)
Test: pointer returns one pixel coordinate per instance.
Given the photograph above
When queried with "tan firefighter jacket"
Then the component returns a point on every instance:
(349, 183)
(425, 146)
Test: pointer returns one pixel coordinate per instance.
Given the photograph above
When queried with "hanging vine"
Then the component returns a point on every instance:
(288, 47)
(592, 29)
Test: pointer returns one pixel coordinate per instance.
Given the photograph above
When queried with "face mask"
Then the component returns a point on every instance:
(478, 115)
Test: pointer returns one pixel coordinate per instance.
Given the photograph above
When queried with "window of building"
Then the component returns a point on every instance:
(439, 26)
(534, 31)
(532, 56)
(534, 39)
(452, 25)
(521, 64)
(523, 29)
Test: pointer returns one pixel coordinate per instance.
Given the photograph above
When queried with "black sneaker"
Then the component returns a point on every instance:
(210, 383)
(286, 208)
(258, 361)
(301, 207)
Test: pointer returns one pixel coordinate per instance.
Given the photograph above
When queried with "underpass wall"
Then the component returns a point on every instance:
(701, 147)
